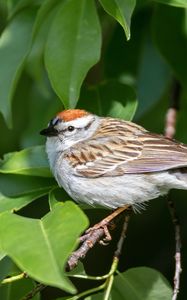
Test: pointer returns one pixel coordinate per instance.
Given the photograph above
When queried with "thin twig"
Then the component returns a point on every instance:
(38, 288)
(170, 125)
(123, 236)
(178, 268)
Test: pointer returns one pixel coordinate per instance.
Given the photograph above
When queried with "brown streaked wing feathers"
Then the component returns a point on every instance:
(137, 151)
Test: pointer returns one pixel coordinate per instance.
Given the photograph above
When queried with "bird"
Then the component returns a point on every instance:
(112, 163)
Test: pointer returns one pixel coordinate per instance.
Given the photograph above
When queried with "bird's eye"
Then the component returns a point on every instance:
(71, 128)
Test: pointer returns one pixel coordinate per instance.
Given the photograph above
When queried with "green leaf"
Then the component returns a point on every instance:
(138, 284)
(52, 199)
(112, 99)
(72, 48)
(122, 11)
(169, 34)
(16, 203)
(5, 267)
(22, 185)
(150, 89)
(46, 7)
(117, 100)
(18, 289)
(2, 254)
(177, 3)
(44, 246)
(14, 290)
(79, 270)
(20, 5)
(35, 63)
(57, 195)
(31, 161)
(141, 283)
(14, 46)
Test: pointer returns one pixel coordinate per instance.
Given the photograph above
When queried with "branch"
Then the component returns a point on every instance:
(92, 236)
(170, 125)
(91, 239)
(123, 236)
(178, 268)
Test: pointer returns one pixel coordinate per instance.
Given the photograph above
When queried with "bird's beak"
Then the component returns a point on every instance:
(49, 131)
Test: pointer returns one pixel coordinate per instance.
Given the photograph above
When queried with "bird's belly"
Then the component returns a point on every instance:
(116, 191)
(113, 192)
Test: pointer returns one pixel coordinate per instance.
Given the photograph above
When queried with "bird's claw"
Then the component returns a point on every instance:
(107, 236)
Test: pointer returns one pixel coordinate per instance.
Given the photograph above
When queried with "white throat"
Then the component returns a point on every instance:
(57, 145)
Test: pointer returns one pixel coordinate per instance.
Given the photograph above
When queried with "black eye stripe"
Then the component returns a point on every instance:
(70, 128)
(88, 125)
(66, 129)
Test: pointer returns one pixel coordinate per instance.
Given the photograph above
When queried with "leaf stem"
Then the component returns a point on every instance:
(88, 292)
(112, 270)
(109, 283)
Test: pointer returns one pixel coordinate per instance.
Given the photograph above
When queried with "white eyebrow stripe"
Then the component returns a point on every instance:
(81, 122)
(55, 121)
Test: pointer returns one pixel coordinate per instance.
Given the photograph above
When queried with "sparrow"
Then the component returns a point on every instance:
(112, 163)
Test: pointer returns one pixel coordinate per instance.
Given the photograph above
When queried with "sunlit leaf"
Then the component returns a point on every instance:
(72, 48)
(122, 11)
(30, 161)
(43, 246)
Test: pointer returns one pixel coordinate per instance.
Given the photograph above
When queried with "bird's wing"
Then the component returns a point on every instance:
(127, 153)
(158, 154)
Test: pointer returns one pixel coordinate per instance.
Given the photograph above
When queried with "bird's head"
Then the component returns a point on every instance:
(69, 127)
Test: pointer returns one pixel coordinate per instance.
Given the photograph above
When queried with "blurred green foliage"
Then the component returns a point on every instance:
(113, 57)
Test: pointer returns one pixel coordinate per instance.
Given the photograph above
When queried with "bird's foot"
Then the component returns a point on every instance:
(93, 231)
(107, 236)
(104, 224)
